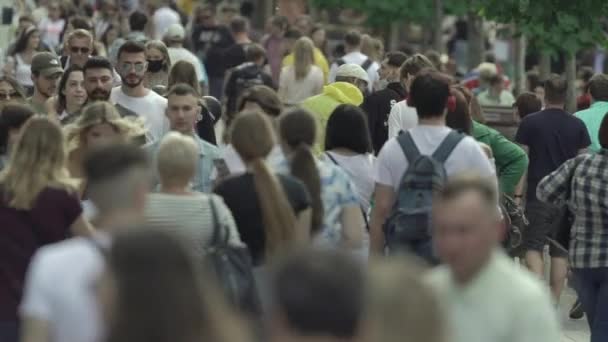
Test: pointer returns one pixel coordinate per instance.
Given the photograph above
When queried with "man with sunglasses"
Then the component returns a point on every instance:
(133, 98)
(46, 72)
(78, 50)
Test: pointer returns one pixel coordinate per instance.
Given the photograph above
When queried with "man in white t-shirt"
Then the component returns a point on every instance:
(352, 47)
(163, 18)
(174, 38)
(59, 301)
(133, 98)
(429, 93)
(402, 116)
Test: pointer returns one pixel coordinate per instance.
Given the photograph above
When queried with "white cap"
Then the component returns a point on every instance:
(352, 70)
(175, 32)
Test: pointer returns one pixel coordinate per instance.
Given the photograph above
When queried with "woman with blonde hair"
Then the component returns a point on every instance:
(99, 124)
(303, 79)
(179, 210)
(272, 212)
(159, 64)
(39, 205)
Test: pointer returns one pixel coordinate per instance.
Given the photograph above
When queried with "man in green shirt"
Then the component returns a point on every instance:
(593, 116)
(46, 72)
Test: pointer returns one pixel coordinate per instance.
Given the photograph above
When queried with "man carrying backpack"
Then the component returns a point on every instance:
(411, 166)
(352, 47)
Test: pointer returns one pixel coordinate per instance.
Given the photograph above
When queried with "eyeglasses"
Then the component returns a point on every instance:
(8, 96)
(138, 67)
(81, 50)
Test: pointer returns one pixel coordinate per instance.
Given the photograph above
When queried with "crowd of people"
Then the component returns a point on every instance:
(168, 173)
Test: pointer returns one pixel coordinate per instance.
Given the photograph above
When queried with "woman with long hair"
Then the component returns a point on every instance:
(71, 96)
(159, 64)
(272, 212)
(336, 216)
(20, 59)
(303, 79)
(39, 205)
(98, 124)
(12, 118)
(152, 290)
(10, 90)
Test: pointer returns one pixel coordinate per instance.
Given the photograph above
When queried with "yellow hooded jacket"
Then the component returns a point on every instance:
(321, 106)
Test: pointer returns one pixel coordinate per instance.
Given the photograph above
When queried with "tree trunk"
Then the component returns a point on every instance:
(476, 40)
(571, 80)
(544, 69)
(520, 65)
(438, 31)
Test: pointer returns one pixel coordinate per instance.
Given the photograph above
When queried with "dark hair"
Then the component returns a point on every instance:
(352, 38)
(585, 74)
(131, 46)
(347, 128)
(434, 57)
(138, 21)
(414, 64)
(111, 161)
(104, 36)
(304, 284)
(489, 57)
(429, 93)
(12, 116)
(239, 24)
(280, 21)
(16, 86)
(298, 129)
(24, 37)
(97, 62)
(598, 87)
(603, 132)
(183, 72)
(495, 79)
(556, 89)
(534, 80)
(182, 89)
(294, 34)
(264, 96)
(460, 118)
(61, 100)
(527, 103)
(79, 22)
(475, 110)
(159, 290)
(395, 58)
(254, 52)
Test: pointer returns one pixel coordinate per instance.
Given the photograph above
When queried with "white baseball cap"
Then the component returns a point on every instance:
(352, 70)
(175, 32)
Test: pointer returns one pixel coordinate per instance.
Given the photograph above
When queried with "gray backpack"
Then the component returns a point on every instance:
(407, 229)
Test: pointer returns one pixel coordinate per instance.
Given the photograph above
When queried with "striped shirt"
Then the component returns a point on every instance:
(190, 218)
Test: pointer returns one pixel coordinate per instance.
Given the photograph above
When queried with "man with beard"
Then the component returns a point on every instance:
(46, 72)
(98, 78)
(378, 104)
(132, 97)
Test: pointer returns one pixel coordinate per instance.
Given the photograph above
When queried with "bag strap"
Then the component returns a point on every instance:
(216, 240)
(366, 64)
(360, 206)
(408, 146)
(448, 145)
(340, 62)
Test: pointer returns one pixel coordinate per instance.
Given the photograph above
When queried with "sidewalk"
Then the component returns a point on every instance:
(573, 330)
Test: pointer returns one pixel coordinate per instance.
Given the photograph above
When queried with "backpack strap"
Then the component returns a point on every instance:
(340, 62)
(408, 146)
(446, 147)
(366, 64)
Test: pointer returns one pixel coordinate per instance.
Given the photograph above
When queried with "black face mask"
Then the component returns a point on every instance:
(155, 66)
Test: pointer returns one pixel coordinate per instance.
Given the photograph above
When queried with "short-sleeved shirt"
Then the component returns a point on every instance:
(22, 232)
(552, 137)
(467, 156)
(241, 197)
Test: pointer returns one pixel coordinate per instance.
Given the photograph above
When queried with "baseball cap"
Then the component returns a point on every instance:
(175, 32)
(352, 70)
(46, 64)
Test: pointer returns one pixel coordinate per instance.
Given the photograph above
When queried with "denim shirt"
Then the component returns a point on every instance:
(202, 178)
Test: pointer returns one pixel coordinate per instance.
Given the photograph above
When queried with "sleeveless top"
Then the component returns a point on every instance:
(23, 72)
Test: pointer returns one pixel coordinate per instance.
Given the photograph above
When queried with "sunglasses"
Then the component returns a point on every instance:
(8, 96)
(81, 50)
(138, 67)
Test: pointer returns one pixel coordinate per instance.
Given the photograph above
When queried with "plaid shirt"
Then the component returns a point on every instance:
(582, 183)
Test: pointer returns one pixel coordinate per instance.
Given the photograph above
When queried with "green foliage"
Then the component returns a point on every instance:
(383, 12)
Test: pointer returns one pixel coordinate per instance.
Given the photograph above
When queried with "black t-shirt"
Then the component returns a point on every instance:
(552, 137)
(378, 106)
(209, 43)
(234, 56)
(240, 196)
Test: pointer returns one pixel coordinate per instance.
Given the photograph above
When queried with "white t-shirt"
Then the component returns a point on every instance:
(51, 31)
(235, 164)
(182, 54)
(358, 58)
(360, 168)
(401, 118)
(59, 289)
(151, 107)
(163, 18)
(293, 92)
(466, 156)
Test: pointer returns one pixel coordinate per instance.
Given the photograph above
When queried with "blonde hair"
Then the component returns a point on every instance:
(303, 53)
(160, 46)
(37, 161)
(97, 113)
(177, 158)
(393, 312)
(253, 138)
(79, 34)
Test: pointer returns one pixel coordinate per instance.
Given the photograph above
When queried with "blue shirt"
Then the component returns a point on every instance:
(202, 178)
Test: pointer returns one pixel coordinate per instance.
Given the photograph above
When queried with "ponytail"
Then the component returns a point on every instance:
(304, 168)
(277, 214)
